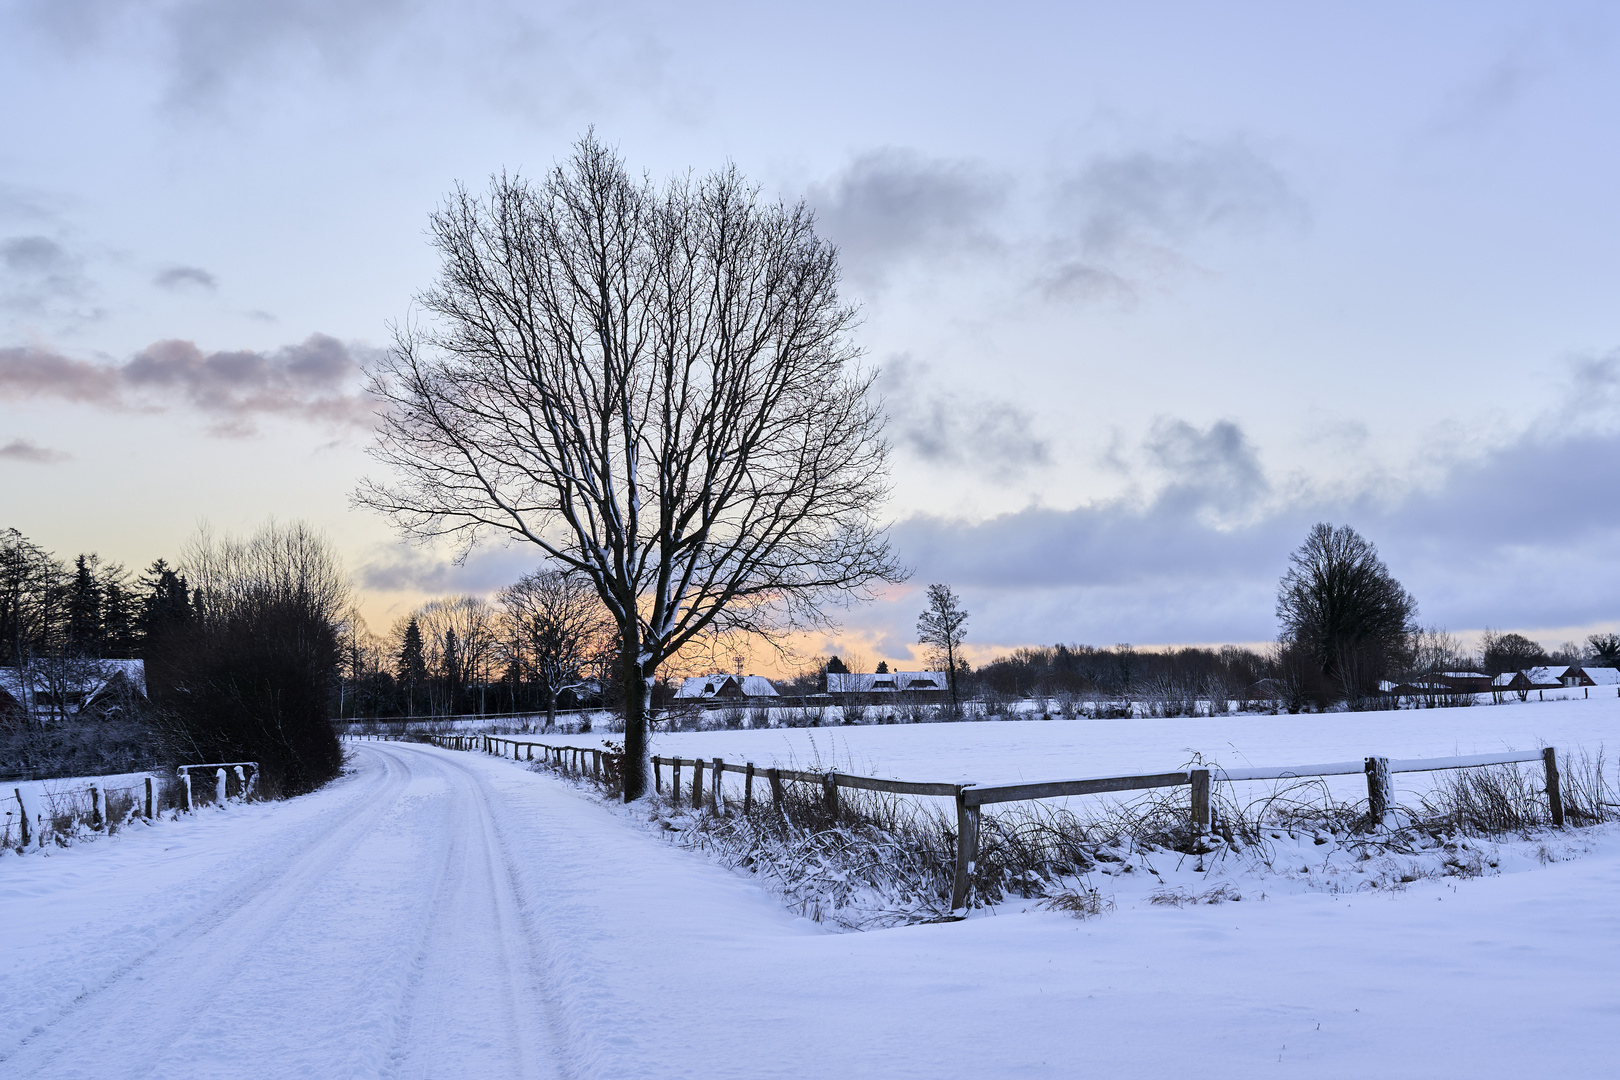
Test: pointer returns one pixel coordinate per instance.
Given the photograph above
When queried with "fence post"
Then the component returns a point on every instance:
(185, 789)
(151, 798)
(1380, 792)
(219, 786)
(596, 765)
(967, 850)
(748, 789)
(98, 807)
(775, 777)
(1555, 794)
(829, 795)
(697, 783)
(658, 775)
(1200, 802)
(22, 808)
(719, 793)
(241, 783)
(675, 786)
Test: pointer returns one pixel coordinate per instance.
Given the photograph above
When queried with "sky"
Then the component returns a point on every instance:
(1152, 288)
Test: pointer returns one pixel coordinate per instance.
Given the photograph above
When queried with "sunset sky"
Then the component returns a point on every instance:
(1152, 287)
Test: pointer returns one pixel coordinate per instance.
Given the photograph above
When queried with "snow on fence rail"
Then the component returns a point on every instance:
(31, 822)
(970, 798)
(244, 783)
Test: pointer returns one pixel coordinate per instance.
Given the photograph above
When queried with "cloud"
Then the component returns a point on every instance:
(312, 380)
(39, 276)
(1090, 230)
(892, 204)
(945, 428)
(185, 277)
(1213, 472)
(1169, 196)
(427, 570)
(30, 452)
(1522, 534)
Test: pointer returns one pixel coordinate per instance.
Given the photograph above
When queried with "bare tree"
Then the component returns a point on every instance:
(553, 625)
(942, 628)
(1339, 603)
(459, 643)
(656, 388)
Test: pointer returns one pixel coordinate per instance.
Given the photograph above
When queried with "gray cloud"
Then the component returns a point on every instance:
(39, 276)
(894, 204)
(944, 427)
(1522, 535)
(415, 569)
(185, 277)
(210, 44)
(1166, 197)
(31, 452)
(1215, 470)
(1091, 231)
(315, 379)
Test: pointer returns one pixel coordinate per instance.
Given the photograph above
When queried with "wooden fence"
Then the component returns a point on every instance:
(971, 798)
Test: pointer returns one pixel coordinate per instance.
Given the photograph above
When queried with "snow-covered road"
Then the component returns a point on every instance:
(438, 914)
(374, 931)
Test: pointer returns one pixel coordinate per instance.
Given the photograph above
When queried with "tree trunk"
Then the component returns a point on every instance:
(635, 717)
(551, 708)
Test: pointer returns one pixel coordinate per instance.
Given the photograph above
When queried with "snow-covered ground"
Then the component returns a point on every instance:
(438, 913)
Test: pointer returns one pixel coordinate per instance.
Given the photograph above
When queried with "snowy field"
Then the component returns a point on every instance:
(1005, 751)
(437, 913)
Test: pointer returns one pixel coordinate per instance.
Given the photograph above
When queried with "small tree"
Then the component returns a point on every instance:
(1339, 603)
(1604, 649)
(553, 625)
(942, 628)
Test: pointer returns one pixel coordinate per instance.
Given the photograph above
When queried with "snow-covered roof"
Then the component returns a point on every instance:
(1462, 675)
(708, 686)
(90, 677)
(893, 682)
(1546, 675)
(1603, 676)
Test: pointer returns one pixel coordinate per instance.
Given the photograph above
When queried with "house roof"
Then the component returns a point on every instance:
(1603, 676)
(706, 686)
(1547, 674)
(92, 678)
(893, 682)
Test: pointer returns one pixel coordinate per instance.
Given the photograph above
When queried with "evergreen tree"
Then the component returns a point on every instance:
(452, 671)
(84, 609)
(120, 615)
(412, 665)
(165, 606)
(836, 666)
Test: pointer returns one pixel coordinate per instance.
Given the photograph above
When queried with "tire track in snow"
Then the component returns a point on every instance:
(488, 929)
(252, 912)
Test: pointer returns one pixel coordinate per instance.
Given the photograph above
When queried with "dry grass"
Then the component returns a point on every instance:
(871, 859)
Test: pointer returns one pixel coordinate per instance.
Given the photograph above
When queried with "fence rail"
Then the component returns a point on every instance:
(970, 797)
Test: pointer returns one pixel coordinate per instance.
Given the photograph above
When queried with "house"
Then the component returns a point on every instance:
(894, 682)
(1468, 682)
(57, 688)
(1592, 676)
(1551, 676)
(709, 687)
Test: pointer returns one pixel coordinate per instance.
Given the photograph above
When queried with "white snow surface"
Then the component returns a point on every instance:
(437, 914)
